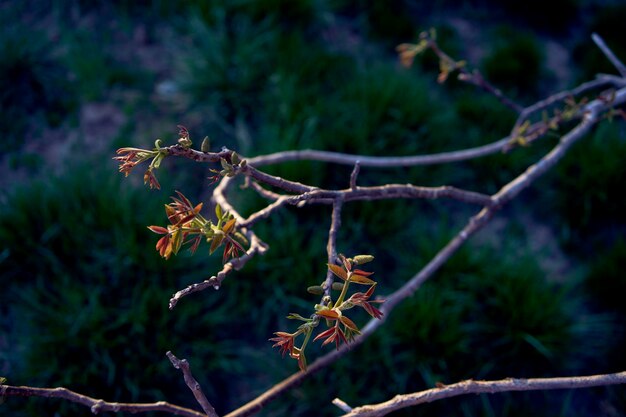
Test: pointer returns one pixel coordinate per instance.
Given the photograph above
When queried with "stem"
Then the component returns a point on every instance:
(344, 291)
(307, 336)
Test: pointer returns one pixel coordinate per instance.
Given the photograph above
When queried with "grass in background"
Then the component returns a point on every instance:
(34, 89)
(516, 62)
(82, 277)
(597, 219)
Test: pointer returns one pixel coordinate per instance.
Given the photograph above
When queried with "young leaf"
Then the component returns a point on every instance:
(158, 230)
(329, 314)
(359, 279)
(349, 324)
(228, 227)
(215, 243)
(339, 271)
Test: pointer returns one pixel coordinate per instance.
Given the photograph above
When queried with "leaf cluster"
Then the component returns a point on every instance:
(341, 329)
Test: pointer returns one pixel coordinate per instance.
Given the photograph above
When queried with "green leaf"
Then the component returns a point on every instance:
(177, 240)
(218, 211)
(216, 242)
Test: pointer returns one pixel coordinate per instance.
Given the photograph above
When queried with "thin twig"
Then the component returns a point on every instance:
(257, 246)
(619, 65)
(473, 77)
(476, 78)
(96, 405)
(381, 192)
(219, 197)
(558, 97)
(392, 191)
(290, 186)
(354, 175)
(331, 246)
(379, 161)
(270, 195)
(342, 405)
(193, 385)
(488, 387)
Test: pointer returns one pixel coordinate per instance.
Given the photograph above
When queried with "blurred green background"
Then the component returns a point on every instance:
(84, 294)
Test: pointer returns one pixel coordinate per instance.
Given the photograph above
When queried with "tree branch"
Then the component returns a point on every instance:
(96, 405)
(609, 54)
(193, 385)
(555, 98)
(480, 387)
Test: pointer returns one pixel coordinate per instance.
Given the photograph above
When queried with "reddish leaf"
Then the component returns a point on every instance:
(195, 244)
(359, 279)
(371, 310)
(159, 230)
(186, 201)
(329, 314)
(228, 227)
(349, 324)
(325, 333)
(162, 244)
(362, 273)
(346, 263)
(339, 271)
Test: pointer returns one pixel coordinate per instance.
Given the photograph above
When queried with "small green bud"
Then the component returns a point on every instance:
(337, 286)
(362, 259)
(225, 164)
(243, 163)
(315, 289)
(234, 158)
(206, 144)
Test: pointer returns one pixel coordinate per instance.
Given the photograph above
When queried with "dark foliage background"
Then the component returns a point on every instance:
(84, 295)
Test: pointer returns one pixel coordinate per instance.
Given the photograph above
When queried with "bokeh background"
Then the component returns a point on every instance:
(83, 300)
